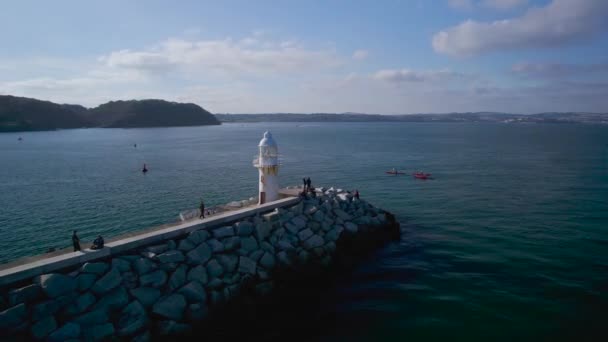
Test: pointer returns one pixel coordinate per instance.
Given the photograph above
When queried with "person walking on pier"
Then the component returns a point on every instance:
(356, 194)
(308, 182)
(75, 241)
(202, 207)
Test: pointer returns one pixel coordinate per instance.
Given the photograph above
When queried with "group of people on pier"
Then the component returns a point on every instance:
(97, 243)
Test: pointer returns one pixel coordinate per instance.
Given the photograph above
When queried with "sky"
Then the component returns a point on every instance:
(332, 56)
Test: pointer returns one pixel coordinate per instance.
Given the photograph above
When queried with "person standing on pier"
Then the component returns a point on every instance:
(356, 194)
(304, 182)
(308, 182)
(75, 241)
(202, 215)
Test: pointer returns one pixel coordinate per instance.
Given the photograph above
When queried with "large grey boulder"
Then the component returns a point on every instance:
(223, 232)
(194, 292)
(26, 294)
(171, 256)
(200, 254)
(92, 318)
(249, 243)
(198, 273)
(98, 332)
(313, 242)
(256, 255)
(85, 281)
(214, 269)
(12, 317)
(107, 283)
(247, 265)
(299, 222)
(262, 230)
(199, 236)
(285, 245)
(172, 328)
(178, 278)
(56, 284)
(268, 261)
(292, 228)
(305, 234)
(94, 267)
(68, 331)
(228, 262)
(114, 300)
(81, 304)
(43, 327)
(147, 296)
(133, 318)
(121, 265)
(215, 245)
(144, 265)
(244, 228)
(171, 306)
(267, 247)
(153, 279)
(342, 215)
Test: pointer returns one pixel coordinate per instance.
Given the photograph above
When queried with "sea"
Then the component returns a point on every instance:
(508, 240)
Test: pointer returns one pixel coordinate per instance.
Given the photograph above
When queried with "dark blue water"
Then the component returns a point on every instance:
(510, 240)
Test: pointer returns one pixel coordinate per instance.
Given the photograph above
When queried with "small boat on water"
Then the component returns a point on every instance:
(395, 172)
(421, 175)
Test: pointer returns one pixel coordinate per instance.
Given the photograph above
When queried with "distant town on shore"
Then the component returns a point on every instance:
(28, 114)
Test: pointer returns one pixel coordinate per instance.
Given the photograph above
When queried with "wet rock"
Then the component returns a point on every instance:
(198, 273)
(147, 296)
(334, 234)
(143, 266)
(171, 306)
(330, 247)
(262, 230)
(244, 228)
(299, 222)
(313, 242)
(116, 299)
(129, 280)
(215, 283)
(56, 284)
(256, 255)
(43, 327)
(98, 332)
(199, 236)
(200, 254)
(223, 232)
(81, 304)
(267, 247)
(231, 243)
(92, 318)
(284, 259)
(133, 319)
(95, 268)
(171, 256)
(108, 282)
(26, 294)
(214, 269)
(285, 245)
(194, 292)
(158, 249)
(249, 244)
(216, 246)
(153, 279)
(351, 227)
(85, 281)
(178, 278)
(186, 245)
(293, 229)
(247, 265)
(169, 267)
(228, 261)
(173, 328)
(121, 265)
(50, 307)
(12, 317)
(305, 234)
(68, 331)
(342, 215)
(268, 261)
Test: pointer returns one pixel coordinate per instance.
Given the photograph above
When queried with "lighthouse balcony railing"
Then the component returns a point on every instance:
(256, 161)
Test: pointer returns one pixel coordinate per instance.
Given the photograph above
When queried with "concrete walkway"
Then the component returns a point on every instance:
(50, 264)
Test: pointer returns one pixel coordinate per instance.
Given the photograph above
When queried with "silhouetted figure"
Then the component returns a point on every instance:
(308, 182)
(97, 243)
(135, 145)
(75, 241)
(145, 169)
(202, 207)
(304, 182)
(356, 194)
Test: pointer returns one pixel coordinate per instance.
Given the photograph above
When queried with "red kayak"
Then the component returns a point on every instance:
(421, 175)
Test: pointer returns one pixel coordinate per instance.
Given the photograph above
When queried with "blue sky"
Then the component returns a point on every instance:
(388, 57)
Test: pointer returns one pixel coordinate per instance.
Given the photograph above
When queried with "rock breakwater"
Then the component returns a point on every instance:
(167, 288)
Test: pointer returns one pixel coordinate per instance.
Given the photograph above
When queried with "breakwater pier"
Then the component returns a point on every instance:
(166, 281)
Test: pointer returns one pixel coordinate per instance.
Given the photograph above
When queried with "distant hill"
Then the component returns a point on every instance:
(27, 114)
(150, 113)
(595, 118)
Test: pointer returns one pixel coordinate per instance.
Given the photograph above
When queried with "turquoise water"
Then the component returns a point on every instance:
(510, 240)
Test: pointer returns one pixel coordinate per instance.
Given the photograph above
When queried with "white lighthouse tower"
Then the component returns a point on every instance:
(267, 162)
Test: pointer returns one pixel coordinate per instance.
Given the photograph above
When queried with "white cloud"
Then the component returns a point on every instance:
(503, 4)
(247, 56)
(559, 23)
(407, 75)
(557, 70)
(360, 55)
